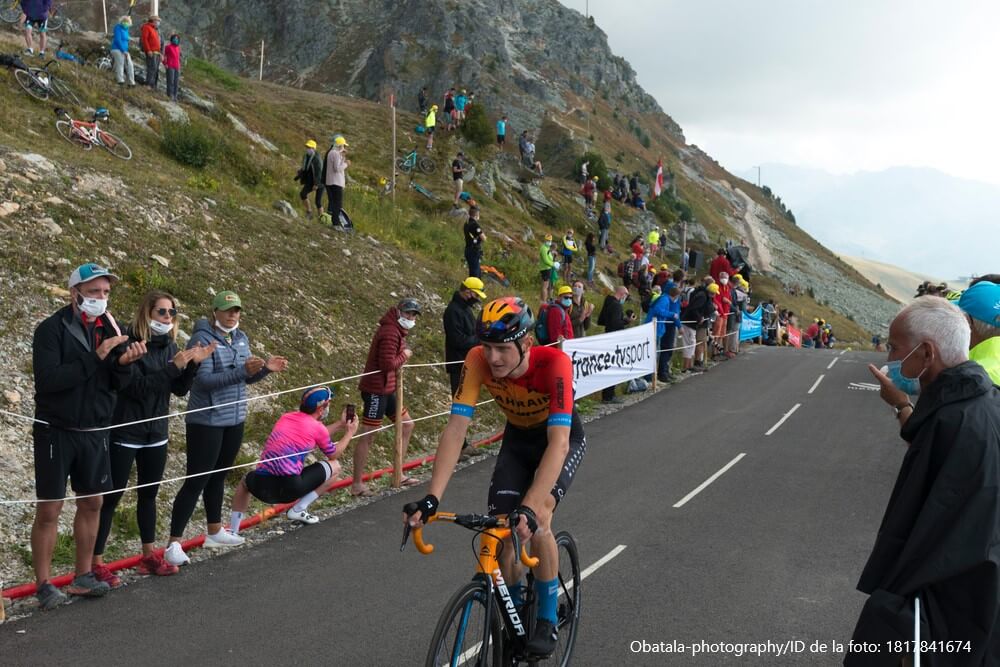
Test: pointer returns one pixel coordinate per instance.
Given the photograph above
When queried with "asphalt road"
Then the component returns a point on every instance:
(769, 551)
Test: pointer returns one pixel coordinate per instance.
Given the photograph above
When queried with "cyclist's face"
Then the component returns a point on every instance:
(504, 359)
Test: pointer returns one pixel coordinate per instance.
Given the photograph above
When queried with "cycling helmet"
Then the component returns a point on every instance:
(504, 320)
(101, 114)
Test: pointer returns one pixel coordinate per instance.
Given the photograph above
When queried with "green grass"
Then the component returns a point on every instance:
(209, 72)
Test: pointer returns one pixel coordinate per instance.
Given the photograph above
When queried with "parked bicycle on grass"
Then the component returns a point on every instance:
(41, 84)
(89, 134)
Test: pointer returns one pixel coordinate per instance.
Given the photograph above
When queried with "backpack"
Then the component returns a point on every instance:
(542, 333)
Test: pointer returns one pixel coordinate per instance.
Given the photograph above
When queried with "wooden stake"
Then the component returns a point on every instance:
(104, 9)
(397, 466)
(261, 76)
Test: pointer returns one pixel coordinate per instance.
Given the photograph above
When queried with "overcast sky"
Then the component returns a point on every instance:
(842, 86)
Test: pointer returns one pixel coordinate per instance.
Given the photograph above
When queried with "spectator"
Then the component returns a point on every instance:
(633, 185)
(546, 265)
(311, 176)
(981, 304)
(162, 372)
(769, 320)
(335, 178)
(461, 100)
(36, 17)
(613, 319)
(637, 247)
(430, 122)
(739, 295)
(812, 334)
(569, 248)
(282, 476)
(474, 238)
(449, 109)
(584, 167)
(533, 164)
(149, 38)
(558, 323)
(214, 435)
(460, 334)
(604, 226)
(501, 132)
(522, 147)
(581, 311)
(457, 174)
(710, 316)
(588, 190)
(666, 310)
(690, 319)
(720, 265)
(662, 276)
(877, 342)
(590, 243)
(79, 360)
(387, 354)
(653, 240)
(422, 100)
(119, 52)
(938, 536)
(723, 306)
(172, 65)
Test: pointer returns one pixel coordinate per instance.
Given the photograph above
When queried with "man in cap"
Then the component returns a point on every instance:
(149, 38)
(558, 322)
(614, 318)
(311, 176)
(334, 178)
(80, 359)
(460, 333)
(547, 264)
(981, 304)
(457, 174)
(474, 238)
(386, 355)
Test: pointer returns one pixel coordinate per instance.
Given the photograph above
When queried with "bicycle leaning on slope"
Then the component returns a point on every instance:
(88, 134)
(42, 84)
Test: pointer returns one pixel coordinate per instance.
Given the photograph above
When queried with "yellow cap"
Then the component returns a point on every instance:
(713, 289)
(548, 237)
(664, 267)
(476, 285)
(311, 143)
(564, 290)
(340, 141)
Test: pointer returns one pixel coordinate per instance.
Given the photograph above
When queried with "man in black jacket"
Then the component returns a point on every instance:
(80, 359)
(613, 318)
(460, 333)
(698, 315)
(939, 534)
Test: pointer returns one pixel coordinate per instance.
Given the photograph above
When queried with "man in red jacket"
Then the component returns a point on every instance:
(149, 37)
(558, 323)
(720, 265)
(387, 354)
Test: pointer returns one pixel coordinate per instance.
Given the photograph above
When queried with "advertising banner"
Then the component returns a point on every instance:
(752, 325)
(794, 337)
(612, 358)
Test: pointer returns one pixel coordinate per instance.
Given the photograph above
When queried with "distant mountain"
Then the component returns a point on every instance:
(899, 283)
(916, 218)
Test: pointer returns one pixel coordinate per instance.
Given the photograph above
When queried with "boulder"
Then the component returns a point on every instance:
(286, 209)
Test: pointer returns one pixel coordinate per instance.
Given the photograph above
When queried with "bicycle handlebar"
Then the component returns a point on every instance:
(473, 522)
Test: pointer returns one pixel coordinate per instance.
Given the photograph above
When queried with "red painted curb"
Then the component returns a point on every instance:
(24, 590)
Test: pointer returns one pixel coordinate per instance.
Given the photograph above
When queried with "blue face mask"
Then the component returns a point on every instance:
(567, 302)
(894, 370)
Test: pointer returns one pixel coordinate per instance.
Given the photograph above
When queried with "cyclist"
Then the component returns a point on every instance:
(543, 445)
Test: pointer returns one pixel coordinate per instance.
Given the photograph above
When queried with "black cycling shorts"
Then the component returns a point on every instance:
(520, 453)
(41, 25)
(80, 456)
(379, 406)
(274, 489)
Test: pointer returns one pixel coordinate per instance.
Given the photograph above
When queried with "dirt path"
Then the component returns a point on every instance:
(750, 229)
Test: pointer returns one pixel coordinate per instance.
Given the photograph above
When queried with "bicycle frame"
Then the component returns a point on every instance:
(410, 161)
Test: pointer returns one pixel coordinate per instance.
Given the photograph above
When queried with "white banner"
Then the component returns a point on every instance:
(611, 358)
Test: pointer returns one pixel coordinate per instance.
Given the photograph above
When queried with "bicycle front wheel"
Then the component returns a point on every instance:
(31, 84)
(11, 15)
(66, 131)
(462, 636)
(64, 92)
(114, 145)
(427, 165)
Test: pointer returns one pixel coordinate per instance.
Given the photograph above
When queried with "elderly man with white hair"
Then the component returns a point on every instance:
(939, 535)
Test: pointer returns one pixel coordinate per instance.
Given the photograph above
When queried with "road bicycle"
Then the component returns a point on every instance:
(42, 84)
(89, 134)
(481, 625)
(11, 13)
(411, 161)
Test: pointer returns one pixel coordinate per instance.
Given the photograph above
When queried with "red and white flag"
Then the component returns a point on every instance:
(658, 186)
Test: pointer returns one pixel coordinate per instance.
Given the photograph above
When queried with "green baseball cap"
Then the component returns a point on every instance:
(226, 300)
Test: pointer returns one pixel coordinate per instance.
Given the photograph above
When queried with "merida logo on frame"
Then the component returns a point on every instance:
(508, 603)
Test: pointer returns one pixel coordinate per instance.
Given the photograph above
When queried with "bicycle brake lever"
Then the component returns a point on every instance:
(406, 535)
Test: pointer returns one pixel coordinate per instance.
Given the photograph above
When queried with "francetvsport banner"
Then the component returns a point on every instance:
(611, 358)
(751, 326)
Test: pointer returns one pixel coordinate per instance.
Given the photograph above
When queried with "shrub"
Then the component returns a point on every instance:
(203, 182)
(191, 144)
(477, 127)
(597, 167)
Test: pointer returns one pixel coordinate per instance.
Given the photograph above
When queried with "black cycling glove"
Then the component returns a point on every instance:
(528, 514)
(427, 506)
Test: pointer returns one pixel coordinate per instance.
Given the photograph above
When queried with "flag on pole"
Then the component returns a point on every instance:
(658, 186)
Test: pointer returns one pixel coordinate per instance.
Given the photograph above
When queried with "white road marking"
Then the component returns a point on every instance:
(473, 651)
(843, 352)
(832, 363)
(701, 487)
(816, 384)
(782, 420)
(864, 386)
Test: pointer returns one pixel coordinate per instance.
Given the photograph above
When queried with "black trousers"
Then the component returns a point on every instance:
(208, 448)
(150, 463)
(334, 202)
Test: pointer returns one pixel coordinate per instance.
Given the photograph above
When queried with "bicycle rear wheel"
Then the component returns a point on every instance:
(404, 165)
(31, 84)
(461, 636)
(10, 15)
(64, 92)
(569, 601)
(427, 165)
(114, 145)
(55, 22)
(66, 131)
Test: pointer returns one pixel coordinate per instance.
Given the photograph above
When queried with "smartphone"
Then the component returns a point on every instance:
(349, 410)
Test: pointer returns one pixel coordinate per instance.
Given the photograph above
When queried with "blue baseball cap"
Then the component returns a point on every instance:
(87, 272)
(982, 302)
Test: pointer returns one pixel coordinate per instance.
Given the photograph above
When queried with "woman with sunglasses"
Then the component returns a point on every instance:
(164, 370)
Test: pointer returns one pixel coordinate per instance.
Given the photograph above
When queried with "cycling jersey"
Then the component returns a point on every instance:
(542, 396)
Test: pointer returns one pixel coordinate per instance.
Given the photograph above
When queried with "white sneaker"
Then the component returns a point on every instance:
(175, 555)
(302, 517)
(222, 539)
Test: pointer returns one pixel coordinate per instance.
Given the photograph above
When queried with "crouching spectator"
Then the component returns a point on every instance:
(280, 477)
(163, 371)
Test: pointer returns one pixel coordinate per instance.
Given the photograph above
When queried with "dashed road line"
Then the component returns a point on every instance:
(816, 384)
(832, 363)
(701, 487)
(782, 420)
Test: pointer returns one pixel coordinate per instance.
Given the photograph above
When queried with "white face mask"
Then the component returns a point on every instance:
(226, 329)
(325, 414)
(159, 328)
(724, 281)
(92, 307)
(406, 323)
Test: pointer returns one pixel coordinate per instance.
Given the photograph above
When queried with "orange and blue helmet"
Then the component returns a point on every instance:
(504, 320)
